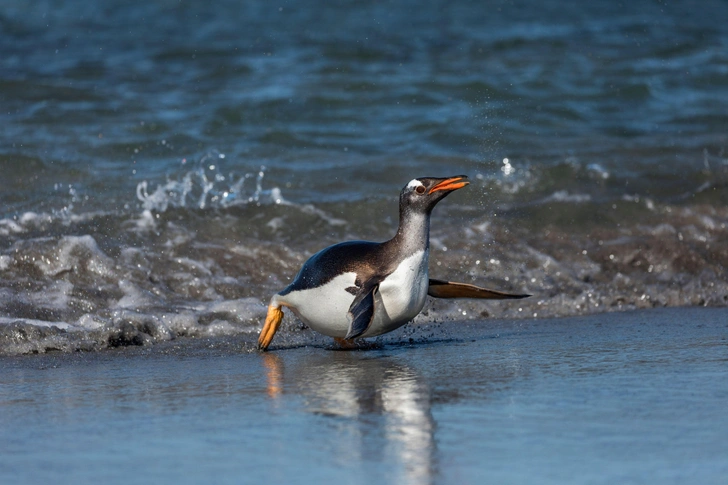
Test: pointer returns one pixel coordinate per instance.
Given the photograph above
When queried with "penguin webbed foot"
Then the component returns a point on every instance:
(270, 327)
(450, 289)
(354, 344)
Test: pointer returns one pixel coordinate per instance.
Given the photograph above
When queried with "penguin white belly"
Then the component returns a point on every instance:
(324, 308)
(401, 295)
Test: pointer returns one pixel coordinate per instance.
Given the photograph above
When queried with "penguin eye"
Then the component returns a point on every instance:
(420, 189)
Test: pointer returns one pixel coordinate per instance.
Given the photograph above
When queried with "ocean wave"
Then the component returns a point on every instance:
(200, 253)
(211, 276)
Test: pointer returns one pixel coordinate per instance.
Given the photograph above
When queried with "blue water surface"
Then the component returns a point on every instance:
(629, 398)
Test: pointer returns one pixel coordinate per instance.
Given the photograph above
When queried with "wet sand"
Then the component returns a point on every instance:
(637, 397)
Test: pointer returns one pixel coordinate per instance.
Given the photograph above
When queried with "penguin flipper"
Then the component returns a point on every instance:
(361, 311)
(449, 289)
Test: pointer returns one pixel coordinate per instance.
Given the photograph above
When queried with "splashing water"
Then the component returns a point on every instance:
(207, 187)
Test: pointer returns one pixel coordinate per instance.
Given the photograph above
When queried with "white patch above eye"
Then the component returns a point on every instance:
(414, 183)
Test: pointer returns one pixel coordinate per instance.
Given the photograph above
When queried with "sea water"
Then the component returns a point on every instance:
(167, 166)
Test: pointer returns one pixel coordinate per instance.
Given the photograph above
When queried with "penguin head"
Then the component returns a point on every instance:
(422, 194)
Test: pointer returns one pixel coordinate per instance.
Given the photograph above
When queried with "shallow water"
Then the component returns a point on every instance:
(636, 397)
(166, 167)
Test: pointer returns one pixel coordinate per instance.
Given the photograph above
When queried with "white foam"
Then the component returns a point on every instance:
(37, 323)
(186, 324)
(276, 223)
(310, 209)
(9, 226)
(597, 169)
(134, 297)
(565, 196)
(56, 296)
(145, 222)
(20, 224)
(194, 265)
(89, 322)
(240, 310)
(5, 262)
(76, 252)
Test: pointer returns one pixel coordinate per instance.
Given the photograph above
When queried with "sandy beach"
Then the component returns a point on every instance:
(635, 397)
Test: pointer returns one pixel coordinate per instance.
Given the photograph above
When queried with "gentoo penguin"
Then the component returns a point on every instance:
(363, 289)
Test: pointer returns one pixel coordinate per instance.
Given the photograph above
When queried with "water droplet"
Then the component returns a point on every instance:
(507, 168)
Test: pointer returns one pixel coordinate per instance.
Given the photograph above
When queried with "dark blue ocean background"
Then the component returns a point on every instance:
(167, 166)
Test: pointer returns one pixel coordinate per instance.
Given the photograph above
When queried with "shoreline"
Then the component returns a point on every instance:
(293, 335)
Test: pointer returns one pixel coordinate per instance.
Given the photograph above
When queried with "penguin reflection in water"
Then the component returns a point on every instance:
(361, 289)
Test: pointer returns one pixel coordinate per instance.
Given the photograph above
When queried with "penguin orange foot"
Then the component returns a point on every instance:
(362, 289)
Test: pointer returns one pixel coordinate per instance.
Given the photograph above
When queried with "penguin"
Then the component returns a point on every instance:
(359, 289)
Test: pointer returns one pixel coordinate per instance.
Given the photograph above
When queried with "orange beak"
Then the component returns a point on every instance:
(452, 183)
